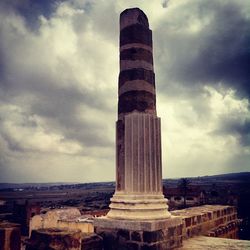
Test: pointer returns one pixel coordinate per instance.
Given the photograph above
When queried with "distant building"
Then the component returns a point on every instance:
(195, 197)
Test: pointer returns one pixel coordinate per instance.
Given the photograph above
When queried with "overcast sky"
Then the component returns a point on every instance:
(58, 87)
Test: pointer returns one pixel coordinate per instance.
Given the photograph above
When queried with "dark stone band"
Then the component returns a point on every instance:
(136, 34)
(136, 54)
(136, 74)
(136, 100)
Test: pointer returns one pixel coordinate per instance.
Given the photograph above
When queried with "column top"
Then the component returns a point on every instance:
(133, 16)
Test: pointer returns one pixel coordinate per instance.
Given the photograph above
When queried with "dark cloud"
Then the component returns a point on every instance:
(225, 55)
(31, 9)
(42, 90)
(58, 82)
(218, 53)
(59, 107)
(206, 44)
(12, 145)
(235, 127)
(2, 66)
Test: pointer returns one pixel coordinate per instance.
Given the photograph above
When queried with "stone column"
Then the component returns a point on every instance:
(138, 192)
(138, 216)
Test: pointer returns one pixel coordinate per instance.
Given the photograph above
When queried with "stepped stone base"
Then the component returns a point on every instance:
(134, 234)
(138, 207)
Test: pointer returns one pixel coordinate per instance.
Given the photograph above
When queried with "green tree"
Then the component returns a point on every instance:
(183, 186)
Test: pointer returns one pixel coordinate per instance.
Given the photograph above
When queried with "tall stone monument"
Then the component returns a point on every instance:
(138, 192)
(138, 204)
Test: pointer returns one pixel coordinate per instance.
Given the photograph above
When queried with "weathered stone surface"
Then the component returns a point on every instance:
(10, 236)
(136, 74)
(54, 239)
(136, 236)
(171, 232)
(136, 225)
(133, 16)
(2, 239)
(136, 45)
(150, 247)
(140, 85)
(163, 245)
(109, 238)
(206, 220)
(69, 218)
(151, 240)
(208, 243)
(188, 221)
(137, 54)
(142, 154)
(132, 64)
(120, 172)
(154, 236)
(122, 233)
(141, 101)
(127, 234)
(131, 246)
(136, 33)
(91, 242)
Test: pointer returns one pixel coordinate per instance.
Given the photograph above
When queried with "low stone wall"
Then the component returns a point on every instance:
(111, 234)
(229, 231)
(210, 220)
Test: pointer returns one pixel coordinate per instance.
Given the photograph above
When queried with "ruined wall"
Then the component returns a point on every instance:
(209, 220)
(70, 218)
(84, 225)
(54, 239)
(61, 239)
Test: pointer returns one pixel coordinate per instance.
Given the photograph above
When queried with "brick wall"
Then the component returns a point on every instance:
(209, 220)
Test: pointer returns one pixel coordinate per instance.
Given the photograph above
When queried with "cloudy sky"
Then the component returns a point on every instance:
(58, 87)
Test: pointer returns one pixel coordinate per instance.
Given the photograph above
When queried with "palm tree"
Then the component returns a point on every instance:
(183, 185)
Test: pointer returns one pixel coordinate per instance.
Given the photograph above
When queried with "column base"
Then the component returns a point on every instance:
(128, 234)
(138, 207)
